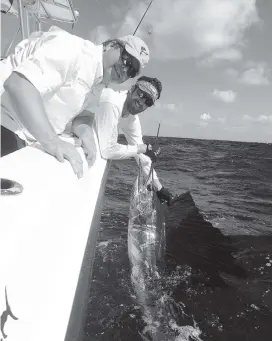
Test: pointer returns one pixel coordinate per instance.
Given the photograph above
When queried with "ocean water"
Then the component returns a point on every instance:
(217, 282)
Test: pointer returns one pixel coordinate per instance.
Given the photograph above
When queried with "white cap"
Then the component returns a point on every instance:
(136, 47)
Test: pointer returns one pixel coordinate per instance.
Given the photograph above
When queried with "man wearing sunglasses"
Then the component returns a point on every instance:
(120, 109)
(51, 78)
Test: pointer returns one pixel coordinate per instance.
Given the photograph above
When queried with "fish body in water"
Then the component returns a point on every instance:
(146, 234)
(146, 250)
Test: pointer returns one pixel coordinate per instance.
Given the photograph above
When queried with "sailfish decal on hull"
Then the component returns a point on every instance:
(4, 317)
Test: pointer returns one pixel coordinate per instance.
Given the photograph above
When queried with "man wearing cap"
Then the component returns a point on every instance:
(50, 79)
(120, 109)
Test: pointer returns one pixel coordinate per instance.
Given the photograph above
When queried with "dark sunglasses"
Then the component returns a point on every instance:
(142, 94)
(131, 63)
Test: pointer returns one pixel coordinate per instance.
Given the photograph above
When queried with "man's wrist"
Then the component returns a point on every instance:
(141, 148)
(82, 130)
(49, 139)
(159, 187)
(86, 131)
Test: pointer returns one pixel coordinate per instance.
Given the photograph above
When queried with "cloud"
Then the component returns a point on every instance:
(99, 34)
(247, 118)
(205, 117)
(178, 29)
(223, 55)
(265, 118)
(256, 75)
(169, 106)
(227, 96)
(227, 54)
(260, 118)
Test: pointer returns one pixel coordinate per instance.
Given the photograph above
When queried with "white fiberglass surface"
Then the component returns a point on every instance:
(43, 232)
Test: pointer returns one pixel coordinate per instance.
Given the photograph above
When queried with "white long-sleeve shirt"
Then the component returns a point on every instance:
(66, 70)
(108, 118)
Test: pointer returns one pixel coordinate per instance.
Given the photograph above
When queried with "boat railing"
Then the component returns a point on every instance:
(39, 12)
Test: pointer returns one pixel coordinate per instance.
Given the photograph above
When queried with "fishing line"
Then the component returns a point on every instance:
(156, 143)
(142, 17)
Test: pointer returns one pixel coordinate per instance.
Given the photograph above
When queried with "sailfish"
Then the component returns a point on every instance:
(146, 247)
(146, 230)
(5, 314)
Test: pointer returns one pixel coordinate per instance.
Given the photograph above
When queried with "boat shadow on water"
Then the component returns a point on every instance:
(213, 287)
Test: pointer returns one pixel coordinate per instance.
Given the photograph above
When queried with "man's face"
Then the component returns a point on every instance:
(126, 67)
(138, 100)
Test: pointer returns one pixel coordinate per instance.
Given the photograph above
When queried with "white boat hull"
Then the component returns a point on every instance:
(44, 263)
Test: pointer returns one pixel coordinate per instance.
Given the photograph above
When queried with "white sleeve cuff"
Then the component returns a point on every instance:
(133, 150)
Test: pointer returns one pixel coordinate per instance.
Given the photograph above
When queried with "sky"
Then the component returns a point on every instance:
(213, 57)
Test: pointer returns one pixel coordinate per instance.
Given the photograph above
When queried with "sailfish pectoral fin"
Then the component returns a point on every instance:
(13, 316)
